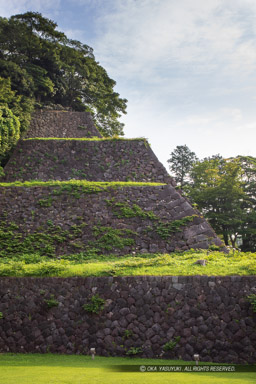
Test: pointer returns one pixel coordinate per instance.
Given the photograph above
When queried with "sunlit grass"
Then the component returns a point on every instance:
(63, 369)
(176, 264)
(94, 138)
(78, 183)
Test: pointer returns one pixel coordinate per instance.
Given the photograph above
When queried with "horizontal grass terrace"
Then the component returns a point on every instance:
(89, 265)
(100, 185)
(94, 138)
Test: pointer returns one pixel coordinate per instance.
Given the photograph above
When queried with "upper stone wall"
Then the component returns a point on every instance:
(62, 124)
(99, 160)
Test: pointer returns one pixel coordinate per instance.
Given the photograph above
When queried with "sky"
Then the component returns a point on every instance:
(187, 67)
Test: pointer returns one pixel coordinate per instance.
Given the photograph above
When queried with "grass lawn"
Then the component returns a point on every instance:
(182, 264)
(72, 369)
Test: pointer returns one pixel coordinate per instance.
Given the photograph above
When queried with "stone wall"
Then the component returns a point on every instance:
(104, 160)
(206, 315)
(62, 124)
(142, 214)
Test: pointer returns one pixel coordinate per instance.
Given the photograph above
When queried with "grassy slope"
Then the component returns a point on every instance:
(61, 369)
(182, 264)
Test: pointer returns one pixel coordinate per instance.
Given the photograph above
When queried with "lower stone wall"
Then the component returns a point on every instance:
(206, 315)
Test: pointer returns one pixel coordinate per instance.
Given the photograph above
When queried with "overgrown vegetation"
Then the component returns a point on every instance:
(164, 230)
(125, 210)
(94, 264)
(108, 238)
(44, 241)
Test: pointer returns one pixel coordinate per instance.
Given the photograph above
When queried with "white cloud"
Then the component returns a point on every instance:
(139, 37)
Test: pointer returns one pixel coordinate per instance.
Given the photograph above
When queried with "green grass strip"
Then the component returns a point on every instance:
(73, 369)
(94, 138)
(102, 185)
(174, 264)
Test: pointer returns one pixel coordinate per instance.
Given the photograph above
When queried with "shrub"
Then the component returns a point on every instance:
(252, 299)
(96, 304)
(134, 351)
(171, 344)
(52, 302)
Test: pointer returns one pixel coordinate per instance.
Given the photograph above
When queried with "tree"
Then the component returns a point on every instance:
(248, 231)
(48, 68)
(181, 163)
(224, 190)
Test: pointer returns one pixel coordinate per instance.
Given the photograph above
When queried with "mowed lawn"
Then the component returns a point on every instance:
(72, 369)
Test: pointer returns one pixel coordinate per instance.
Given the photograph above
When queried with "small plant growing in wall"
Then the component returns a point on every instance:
(127, 333)
(52, 302)
(170, 345)
(1, 315)
(134, 351)
(95, 305)
(252, 299)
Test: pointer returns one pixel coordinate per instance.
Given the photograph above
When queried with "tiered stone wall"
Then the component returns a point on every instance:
(62, 124)
(41, 209)
(209, 316)
(104, 160)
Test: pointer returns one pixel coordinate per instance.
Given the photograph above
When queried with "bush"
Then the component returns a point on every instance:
(96, 304)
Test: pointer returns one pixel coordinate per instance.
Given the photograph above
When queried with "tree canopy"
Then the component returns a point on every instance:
(181, 163)
(44, 67)
(224, 190)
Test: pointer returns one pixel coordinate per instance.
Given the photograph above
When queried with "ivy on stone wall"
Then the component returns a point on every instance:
(163, 229)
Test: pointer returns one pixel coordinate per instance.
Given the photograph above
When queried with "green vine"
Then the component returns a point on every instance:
(124, 210)
(13, 243)
(164, 230)
(108, 238)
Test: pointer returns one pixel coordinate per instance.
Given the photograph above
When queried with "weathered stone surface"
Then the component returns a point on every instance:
(66, 211)
(232, 340)
(62, 124)
(96, 160)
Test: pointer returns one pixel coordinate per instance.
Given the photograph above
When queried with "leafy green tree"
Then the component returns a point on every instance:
(47, 67)
(181, 163)
(248, 231)
(222, 194)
